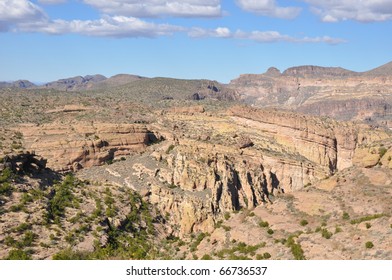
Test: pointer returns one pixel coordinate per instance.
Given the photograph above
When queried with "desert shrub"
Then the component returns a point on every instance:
(22, 227)
(6, 189)
(366, 218)
(266, 255)
(5, 178)
(9, 241)
(206, 257)
(18, 254)
(226, 228)
(369, 245)
(28, 239)
(263, 224)
(304, 223)
(198, 240)
(69, 254)
(326, 234)
(63, 197)
(368, 225)
(270, 231)
(295, 248)
(227, 215)
(338, 229)
(382, 151)
(170, 148)
(346, 216)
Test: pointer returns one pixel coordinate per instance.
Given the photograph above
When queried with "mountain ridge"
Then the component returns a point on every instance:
(79, 82)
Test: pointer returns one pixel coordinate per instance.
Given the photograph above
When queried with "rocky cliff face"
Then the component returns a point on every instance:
(323, 91)
(80, 145)
(207, 164)
(197, 175)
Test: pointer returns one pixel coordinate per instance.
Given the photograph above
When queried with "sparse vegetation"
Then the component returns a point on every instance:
(369, 245)
(326, 234)
(346, 216)
(170, 148)
(263, 224)
(382, 151)
(5, 179)
(239, 251)
(197, 242)
(295, 247)
(366, 218)
(18, 254)
(206, 257)
(62, 198)
(304, 223)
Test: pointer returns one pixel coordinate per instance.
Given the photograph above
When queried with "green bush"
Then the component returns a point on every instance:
(62, 198)
(6, 189)
(346, 216)
(296, 248)
(366, 218)
(6, 175)
(263, 224)
(22, 227)
(18, 254)
(5, 178)
(198, 240)
(304, 223)
(68, 254)
(382, 151)
(170, 148)
(227, 215)
(368, 225)
(326, 234)
(266, 255)
(369, 245)
(207, 257)
(270, 231)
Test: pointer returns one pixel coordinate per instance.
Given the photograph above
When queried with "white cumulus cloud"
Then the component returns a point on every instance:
(260, 36)
(51, 2)
(158, 8)
(269, 8)
(363, 11)
(19, 11)
(117, 27)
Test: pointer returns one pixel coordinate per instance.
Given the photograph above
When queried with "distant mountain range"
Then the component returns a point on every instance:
(90, 82)
(77, 83)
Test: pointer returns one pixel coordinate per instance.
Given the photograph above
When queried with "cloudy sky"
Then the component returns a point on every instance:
(44, 40)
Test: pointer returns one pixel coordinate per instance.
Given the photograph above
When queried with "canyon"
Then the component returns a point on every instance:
(267, 164)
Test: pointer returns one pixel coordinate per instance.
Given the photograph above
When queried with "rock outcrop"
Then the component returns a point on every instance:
(79, 145)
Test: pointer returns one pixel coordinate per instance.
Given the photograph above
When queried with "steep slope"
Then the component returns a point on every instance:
(383, 70)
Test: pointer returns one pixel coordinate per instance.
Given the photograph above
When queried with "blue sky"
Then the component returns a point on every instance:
(44, 40)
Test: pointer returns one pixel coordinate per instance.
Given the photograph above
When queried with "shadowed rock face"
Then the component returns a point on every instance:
(322, 91)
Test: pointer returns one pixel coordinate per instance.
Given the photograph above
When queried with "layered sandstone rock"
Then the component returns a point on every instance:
(322, 91)
(77, 145)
